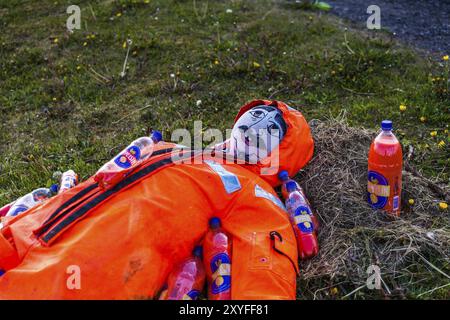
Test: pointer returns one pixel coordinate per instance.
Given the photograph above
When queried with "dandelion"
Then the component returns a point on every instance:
(402, 107)
(216, 62)
(423, 119)
(118, 14)
(55, 40)
(54, 99)
(441, 144)
(411, 201)
(78, 67)
(256, 64)
(84, 44)
(443, 205)
(445, 58)
(433, 133)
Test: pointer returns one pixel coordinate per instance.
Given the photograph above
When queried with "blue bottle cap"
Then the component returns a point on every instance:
(54, 188)
(198, 251)
(386, 125)
(291, 186)
(214, 223)
(283, 175)
(156, 136)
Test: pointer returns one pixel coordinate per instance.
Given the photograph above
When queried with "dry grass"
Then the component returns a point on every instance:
(413, 251)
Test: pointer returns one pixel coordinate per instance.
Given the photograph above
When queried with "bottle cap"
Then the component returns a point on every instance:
(386, 125)
(283, 175)
(54, 188)
(214, 223)
(198, 251)
(156, 136)
(291, 186)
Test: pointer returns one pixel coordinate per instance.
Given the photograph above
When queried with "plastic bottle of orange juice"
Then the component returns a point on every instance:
(385, 171)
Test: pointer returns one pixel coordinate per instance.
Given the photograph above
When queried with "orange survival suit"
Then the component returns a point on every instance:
(123, 242)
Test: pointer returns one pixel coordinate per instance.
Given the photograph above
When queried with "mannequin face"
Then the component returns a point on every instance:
(256, 133)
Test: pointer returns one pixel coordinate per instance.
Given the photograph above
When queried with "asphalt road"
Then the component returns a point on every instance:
(424, 24)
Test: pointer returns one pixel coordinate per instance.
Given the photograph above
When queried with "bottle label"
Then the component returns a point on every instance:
(16, 210)
(39, 195)
(192, 295)
(303, 220)
(128, 158)
(221, 273)
(378, 190)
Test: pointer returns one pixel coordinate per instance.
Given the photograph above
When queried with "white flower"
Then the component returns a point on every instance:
(172, 75)
(199, 102)
(229, 11)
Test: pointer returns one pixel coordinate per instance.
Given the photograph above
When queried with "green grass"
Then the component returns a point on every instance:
(64, 105)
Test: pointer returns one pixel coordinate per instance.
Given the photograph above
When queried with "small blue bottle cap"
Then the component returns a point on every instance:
(283, 175)
(156, 136)
(386, 125)
(198, 251)
(291, 186)
(54, 188)
(214, 223)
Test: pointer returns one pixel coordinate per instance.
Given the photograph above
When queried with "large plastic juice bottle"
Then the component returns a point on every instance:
(186, 281)
(217, 252)
(385, 171)
(69, 179)
(300, 196)
(129, 158)
(307, 244)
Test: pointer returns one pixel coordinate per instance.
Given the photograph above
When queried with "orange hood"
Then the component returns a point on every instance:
(295, 149)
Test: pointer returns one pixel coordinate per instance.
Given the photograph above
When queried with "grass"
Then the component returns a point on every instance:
(64, 105)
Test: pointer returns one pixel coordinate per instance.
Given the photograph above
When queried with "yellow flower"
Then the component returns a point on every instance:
(85, 44)
(402, 107)
(445, 58)
(78, 67)
(54, 99)
(256, 64)
(423, 119)
(411, 201)
(333, 72)
(334, 291)
(433, 133)
(445, 131)
(118, 14)
(441, 144)
(443, 205)
(55, 40)
(216, 61)
(124, 45)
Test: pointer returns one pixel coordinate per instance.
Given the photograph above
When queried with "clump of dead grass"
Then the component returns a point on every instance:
(412, 251)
